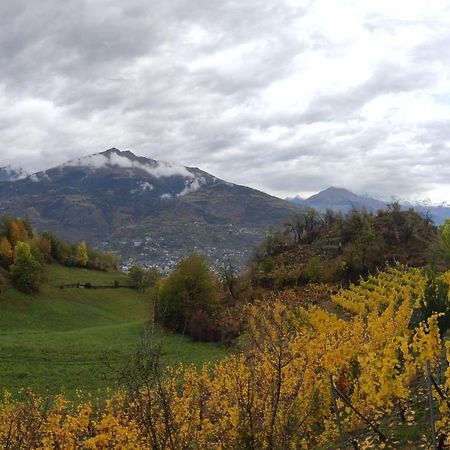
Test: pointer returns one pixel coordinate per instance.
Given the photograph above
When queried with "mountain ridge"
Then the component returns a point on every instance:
(147, 210)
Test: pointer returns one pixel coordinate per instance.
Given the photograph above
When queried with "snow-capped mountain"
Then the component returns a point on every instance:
(146, 209)
(127, 174)
(10, 173)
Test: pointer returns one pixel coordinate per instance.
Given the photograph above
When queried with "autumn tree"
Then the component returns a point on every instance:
(60, 250)
(81, 254)
(45, 247)
(19, 231)
(6, 252)
(27, 270)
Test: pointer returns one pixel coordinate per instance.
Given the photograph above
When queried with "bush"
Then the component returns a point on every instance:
(202, 327)
(188, 298)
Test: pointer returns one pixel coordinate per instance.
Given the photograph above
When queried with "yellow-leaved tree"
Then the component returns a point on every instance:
(81, 254)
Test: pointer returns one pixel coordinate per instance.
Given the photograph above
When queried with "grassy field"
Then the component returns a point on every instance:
(58, 340)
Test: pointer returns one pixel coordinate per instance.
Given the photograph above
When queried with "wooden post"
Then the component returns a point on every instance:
(430, 402)
(336, 412)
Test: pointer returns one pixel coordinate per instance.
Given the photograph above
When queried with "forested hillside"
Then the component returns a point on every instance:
(337, 248)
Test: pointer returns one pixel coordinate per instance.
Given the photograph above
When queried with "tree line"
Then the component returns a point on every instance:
(24, 254)
(313, 253)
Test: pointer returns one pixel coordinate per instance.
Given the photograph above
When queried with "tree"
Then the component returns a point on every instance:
(444, 229)
(19, 231)
(436, 300)
(81, 254)
(45, 247)
(438, 254)
(60, 250)
(6, 252)
(301, 226)
(188, 299)
(143, 279)
(229, 277)
(27, 272)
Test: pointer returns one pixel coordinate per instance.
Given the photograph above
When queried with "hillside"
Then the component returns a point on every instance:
(149, 211)
(343, 200)
(340, 249)
(57, 340)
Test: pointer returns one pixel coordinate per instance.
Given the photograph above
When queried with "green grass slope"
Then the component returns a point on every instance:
(58, 340)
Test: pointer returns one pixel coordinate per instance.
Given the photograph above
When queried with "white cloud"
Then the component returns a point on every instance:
(157, 169)
(286, 96)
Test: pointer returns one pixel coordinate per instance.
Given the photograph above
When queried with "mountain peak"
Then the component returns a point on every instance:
(137, 174)
(114, 158)
(341, 199)
(124, 153)
(335, 191)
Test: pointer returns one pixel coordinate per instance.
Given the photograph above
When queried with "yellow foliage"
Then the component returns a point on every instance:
(275, 393)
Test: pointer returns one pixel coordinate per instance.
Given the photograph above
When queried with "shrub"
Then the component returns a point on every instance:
(142, 278)
(191, 288)
(27, 272)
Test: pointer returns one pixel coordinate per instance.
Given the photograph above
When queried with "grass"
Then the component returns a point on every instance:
(58, 340)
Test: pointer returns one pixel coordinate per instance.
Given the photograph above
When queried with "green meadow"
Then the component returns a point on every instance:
(61, 340)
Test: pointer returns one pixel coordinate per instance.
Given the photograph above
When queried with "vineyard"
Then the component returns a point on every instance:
(304, 378)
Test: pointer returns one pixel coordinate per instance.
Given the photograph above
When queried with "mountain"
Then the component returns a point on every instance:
(149, 211)
(339, 199)
(10, 173)
(343, 200)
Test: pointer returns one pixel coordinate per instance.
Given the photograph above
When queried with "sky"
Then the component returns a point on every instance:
(286, 96)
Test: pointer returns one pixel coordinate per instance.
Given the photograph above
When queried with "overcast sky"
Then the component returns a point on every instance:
(286, 96)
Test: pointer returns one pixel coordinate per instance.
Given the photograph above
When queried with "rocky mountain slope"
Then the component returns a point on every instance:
(149, 211)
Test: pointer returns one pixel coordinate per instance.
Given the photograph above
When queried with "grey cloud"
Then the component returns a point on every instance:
(184, 81)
